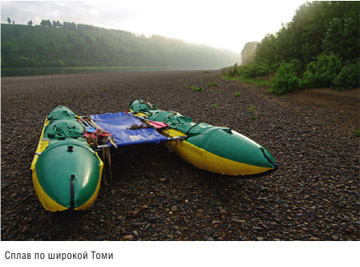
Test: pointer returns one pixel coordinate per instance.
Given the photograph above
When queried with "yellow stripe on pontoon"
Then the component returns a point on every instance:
(208, 161)
(48, 203)
(42, 145)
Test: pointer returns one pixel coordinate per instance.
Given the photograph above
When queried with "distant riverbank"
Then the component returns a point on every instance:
(11, 72)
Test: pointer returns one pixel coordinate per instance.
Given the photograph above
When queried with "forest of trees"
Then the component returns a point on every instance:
(320, 47)
(53, 43)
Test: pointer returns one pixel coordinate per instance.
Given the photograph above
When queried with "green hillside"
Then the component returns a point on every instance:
(85, 45)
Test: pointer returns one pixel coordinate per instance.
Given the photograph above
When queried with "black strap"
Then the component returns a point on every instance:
(132, 102)
(192, 127)
(269, 159)
(72, 193)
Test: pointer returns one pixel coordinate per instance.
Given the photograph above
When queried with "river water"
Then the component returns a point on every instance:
(10, 72)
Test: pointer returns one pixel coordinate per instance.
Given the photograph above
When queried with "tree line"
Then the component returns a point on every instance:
(56, 24)
(320, 47)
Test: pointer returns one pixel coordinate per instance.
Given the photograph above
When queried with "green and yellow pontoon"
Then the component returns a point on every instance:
(215, 149)
(66, 171)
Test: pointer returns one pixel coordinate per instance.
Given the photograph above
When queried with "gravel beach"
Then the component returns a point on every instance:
(314, 195)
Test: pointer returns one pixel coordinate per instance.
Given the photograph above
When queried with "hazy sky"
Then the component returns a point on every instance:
(227, 24)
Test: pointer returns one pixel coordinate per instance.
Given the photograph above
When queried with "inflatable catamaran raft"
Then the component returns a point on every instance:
(67, 170)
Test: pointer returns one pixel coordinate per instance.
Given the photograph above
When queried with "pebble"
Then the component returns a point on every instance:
(136, 233)
(216, 224)
(350, 229)
(152, 220)
(128, 237)
(100, 237)
(135, 213)
(235, 220)
(174, 208)
(138, 223)
(223, 212)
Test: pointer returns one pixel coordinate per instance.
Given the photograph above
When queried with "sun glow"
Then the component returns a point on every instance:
(226, 24)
